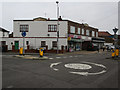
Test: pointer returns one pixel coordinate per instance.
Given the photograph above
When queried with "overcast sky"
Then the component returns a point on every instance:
(101, 15)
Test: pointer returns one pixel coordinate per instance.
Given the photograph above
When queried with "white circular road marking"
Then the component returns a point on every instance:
(78, 66)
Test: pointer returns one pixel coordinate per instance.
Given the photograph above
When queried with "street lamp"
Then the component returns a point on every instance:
(57, 25)
(115, 37)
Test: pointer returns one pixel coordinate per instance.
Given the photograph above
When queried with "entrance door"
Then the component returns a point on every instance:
(16, 45)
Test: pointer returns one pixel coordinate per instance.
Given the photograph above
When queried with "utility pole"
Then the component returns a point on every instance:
(57, 26)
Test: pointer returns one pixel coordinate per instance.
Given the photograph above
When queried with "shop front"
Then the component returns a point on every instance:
(74, 43)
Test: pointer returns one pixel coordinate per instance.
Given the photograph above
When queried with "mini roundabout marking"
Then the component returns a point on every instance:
(81, 66)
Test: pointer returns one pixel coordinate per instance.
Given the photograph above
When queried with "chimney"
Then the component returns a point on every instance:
(60, 19)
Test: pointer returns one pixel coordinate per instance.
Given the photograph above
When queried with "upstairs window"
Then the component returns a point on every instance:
(93, 33)
(96, 34)
(83, 31)
(72, 29)
(78, 30)
(87, 32)
(24, 28)
(52, 28)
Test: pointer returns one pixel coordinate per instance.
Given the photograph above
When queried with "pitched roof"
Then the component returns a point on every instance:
(103, 34)
(2, 29)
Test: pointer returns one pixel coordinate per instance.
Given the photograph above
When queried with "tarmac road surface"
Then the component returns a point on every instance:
(94, 70)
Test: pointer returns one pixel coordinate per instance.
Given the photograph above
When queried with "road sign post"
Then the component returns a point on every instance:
(23, 34)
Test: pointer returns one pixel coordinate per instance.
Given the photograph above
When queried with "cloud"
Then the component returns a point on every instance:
(103, 15)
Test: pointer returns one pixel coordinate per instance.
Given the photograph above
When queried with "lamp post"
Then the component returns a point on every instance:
(115, 41)
(57, 25)
(115, 37)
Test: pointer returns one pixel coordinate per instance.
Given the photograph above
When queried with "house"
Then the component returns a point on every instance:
(42, 32)
(108, 37)
(4, 34)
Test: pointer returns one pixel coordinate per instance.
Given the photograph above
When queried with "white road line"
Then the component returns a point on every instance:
(10, 86)
(50, 58)
(54, 64)
(58, 57)
(87, 73)
(70, 56)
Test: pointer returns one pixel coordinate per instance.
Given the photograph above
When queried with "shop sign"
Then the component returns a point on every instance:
(85, 38)
(74, 36)
(76, 40)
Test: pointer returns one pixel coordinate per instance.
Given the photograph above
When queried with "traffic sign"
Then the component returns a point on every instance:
(23, 34)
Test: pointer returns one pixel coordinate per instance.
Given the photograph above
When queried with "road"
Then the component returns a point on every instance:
(94, 70)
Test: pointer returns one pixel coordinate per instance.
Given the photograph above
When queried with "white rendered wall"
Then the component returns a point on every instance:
(1, 34)
(40, 28)
(6, 34)
(35, 43)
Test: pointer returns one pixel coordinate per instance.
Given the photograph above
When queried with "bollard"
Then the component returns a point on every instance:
(113, 53)
(117, 52)
(21, 51)
(41, 52)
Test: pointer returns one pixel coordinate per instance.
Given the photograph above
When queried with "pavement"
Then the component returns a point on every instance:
(35, 56)
(31, 57)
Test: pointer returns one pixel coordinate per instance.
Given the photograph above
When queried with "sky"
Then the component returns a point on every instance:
(102, 14)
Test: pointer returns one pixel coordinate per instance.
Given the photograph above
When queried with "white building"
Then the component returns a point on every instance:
(4, 35)
(41, 32)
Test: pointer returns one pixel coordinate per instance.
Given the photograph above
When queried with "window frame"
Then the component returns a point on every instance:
(52, 28)
(83, 31)
(71, 29)
(93, 33)
(54, 43)
(96, 34)
(87, 32)
(43, 44)
(24, 26)
(79, 31)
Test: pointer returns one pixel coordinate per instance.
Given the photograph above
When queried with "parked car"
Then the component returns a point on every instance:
(92, 47)
(110, 47)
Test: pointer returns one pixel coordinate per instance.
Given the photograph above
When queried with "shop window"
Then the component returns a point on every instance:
(78, 30)
(54, 43)
(52, 28)
(43, 43)
(83, 31)
(24, 28)
(72, 29)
